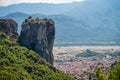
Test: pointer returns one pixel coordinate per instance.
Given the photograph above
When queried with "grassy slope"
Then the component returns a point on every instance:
(19, 63)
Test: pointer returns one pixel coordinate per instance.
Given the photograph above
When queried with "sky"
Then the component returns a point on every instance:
(9, 2)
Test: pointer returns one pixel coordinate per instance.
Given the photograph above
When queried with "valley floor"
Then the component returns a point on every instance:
(82, 61)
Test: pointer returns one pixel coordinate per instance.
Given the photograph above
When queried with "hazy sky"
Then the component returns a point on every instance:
(8, 2)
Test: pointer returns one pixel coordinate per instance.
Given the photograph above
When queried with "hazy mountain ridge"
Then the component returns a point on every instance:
(40, 8)
(88, 21)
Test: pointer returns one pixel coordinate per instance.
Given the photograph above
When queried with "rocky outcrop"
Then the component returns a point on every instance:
(38, 35)
(9, 27)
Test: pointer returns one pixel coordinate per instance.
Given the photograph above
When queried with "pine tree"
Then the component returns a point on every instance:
(114, 73)
(99, 75)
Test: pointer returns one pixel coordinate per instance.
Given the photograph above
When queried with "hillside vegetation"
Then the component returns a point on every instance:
(113, 74)
(20, 63)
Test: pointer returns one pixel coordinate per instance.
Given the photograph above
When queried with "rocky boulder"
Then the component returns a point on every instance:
(9, 27)
(38, 35)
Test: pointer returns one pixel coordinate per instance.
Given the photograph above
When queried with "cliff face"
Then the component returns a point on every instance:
(38, 35)
(9, 27)
(20, 63)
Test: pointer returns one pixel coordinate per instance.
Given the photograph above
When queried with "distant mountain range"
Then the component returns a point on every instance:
(39, 8)
(88, 21)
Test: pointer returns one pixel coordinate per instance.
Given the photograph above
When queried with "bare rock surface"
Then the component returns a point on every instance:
(38, 35)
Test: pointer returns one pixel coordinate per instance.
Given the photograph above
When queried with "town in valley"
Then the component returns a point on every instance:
(82, 61)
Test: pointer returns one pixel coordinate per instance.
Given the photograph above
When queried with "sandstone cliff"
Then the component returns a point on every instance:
(38, 35)
(9, 27)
